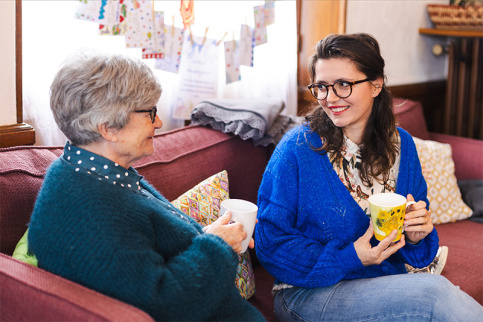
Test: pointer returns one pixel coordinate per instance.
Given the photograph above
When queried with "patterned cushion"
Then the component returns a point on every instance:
(444, 195)
(202, 203)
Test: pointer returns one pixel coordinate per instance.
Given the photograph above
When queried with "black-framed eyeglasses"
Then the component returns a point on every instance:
(152, 113)
(342, 89)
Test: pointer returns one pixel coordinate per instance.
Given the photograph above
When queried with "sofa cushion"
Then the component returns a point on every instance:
(410, 116)
(465, 258)
(472, 192)
(202, 203)
(444, 195)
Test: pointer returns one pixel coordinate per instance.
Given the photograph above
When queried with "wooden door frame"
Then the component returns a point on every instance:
(315, 20)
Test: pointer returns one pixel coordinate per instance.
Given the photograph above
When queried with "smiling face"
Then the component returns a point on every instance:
(135, 140)
(350, 113)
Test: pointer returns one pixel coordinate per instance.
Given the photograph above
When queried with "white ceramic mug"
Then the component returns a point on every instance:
(244, 212)
(387, 213)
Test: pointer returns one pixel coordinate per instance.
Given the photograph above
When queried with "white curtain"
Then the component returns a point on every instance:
(51, 33)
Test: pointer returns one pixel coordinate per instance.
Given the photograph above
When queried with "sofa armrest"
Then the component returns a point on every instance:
(28, 293)
(467, 155)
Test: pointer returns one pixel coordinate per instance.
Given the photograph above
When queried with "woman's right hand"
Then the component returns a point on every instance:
(232, 233)
(376, 255)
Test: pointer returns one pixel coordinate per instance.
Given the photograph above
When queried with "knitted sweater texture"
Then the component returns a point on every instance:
(308, 221)
(135, 247)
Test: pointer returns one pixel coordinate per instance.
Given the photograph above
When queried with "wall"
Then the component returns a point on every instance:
(8, 109)
(395, 24)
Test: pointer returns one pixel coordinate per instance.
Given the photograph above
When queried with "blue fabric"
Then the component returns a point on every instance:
(308, 221)
(408, 297)
(135, 247)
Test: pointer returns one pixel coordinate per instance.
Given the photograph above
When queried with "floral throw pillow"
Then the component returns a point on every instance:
(444, 195)
(202, 203)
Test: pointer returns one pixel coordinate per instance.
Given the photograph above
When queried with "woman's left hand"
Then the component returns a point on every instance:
(417, 223)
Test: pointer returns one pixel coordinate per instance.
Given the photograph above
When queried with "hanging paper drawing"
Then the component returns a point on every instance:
(157, 51)
(140, 23)
(198, 75)
(187, 12)
(88, 10)
(269, 12)
(246, 45)
(173, 44)
(260, 27)
(111, 18)
(232, 61)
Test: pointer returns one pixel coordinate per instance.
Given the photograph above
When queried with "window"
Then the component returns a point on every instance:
(51, 33)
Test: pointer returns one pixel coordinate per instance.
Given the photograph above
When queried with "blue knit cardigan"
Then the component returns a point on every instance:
(134, 247)
(308, 221)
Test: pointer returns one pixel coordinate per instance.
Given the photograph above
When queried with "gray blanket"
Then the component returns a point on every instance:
(258, 119)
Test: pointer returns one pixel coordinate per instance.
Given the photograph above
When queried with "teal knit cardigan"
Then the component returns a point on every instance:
(134, 247)
(308, 221)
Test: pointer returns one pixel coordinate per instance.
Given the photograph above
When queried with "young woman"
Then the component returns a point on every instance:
(314, 233)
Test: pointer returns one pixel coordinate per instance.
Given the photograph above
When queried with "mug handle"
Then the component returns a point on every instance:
(409, 203)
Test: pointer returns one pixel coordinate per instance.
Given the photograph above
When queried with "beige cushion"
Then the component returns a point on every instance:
(446, 204)
(202, 203)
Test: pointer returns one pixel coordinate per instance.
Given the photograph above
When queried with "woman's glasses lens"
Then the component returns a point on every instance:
(152, 113)
(341, 89)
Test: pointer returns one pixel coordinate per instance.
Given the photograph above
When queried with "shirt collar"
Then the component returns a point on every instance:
(101, 167)
(349, 149)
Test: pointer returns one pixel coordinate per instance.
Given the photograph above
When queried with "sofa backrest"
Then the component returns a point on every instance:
(22, 171)
(410, 116)
(182, 159)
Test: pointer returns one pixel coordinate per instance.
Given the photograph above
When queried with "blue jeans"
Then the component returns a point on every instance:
(405, 297)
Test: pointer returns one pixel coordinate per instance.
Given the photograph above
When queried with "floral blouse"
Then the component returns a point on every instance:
(348, 171)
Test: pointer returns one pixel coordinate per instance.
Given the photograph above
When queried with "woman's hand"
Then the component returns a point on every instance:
(232, 233)
(417, 223)
(376, 255)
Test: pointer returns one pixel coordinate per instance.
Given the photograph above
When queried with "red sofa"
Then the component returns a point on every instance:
(183, 158)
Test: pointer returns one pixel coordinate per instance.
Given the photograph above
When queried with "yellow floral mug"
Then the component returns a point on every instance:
(387, 213)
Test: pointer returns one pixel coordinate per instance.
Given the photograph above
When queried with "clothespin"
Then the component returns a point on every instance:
(191, 36)
(219, 41)
(234, 42)
(204, 37)
(246, 25)
(172, 28)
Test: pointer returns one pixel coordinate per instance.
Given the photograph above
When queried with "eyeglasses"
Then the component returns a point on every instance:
(342, 89)
(152, 113)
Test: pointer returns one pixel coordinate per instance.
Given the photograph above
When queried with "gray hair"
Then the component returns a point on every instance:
(93, 89)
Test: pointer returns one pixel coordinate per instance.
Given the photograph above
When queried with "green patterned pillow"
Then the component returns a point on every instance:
(202, 203)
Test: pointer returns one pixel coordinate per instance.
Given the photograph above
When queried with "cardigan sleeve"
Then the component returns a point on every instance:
(287, 251)
(411, 181)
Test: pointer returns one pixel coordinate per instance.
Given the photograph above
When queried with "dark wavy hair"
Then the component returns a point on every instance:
(378, 151)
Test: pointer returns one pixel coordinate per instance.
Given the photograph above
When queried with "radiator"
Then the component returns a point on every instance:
(463, 111)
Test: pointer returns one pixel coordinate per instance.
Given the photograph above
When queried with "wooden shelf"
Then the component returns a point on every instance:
(451, 33)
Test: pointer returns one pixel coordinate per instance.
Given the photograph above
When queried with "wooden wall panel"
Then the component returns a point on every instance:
(20, 133)
(315, 20)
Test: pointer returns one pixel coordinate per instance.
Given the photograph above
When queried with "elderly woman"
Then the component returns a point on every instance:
(99, 223)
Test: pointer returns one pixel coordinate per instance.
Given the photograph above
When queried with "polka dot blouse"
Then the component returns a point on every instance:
(102, 168)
